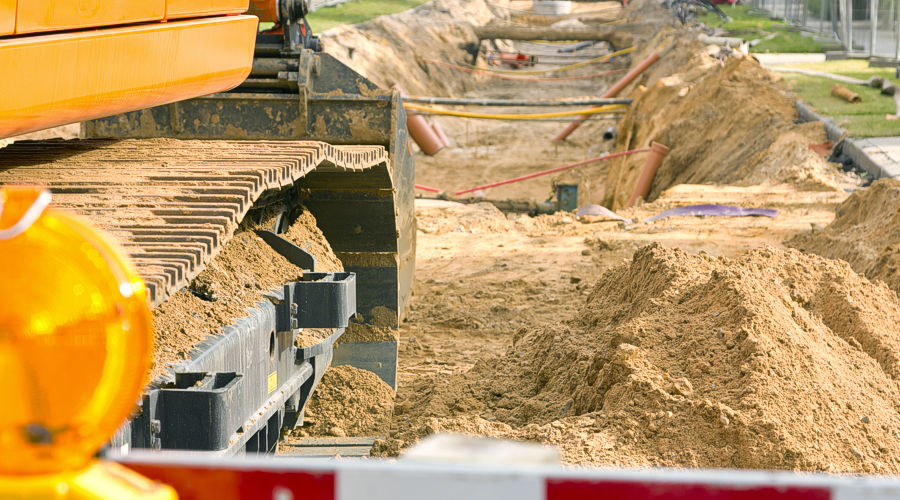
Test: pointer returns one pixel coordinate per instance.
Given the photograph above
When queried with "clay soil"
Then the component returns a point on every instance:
(689, 341)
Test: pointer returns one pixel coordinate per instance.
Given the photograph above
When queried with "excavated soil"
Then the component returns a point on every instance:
(687, 341)
(865, 233)
(235, 280)
(388, 50)
(695, 342)
(771, 359)
(304, 233)
(348, 402)
(727, 122)
(362, 332)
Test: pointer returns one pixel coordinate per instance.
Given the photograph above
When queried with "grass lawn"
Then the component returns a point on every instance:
(752, 27)
(864, 119)
(356, 11)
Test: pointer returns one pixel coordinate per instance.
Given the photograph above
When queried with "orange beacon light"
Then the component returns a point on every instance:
(75, 350)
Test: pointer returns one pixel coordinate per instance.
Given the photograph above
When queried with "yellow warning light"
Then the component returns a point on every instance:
(75, 336)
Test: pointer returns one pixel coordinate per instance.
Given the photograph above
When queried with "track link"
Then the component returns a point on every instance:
(172, 203)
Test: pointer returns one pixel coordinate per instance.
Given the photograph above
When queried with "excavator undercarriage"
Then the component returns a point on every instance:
(173, 182)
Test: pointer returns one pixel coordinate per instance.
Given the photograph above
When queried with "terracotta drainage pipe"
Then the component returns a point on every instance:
(436, 127)
(844, 93)
(612, 92)
(554, 170)
(421, 132)
(648, 172)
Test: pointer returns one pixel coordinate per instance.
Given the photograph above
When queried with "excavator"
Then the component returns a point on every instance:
(193, 121)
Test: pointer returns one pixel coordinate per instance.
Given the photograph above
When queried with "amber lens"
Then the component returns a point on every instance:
(75, 339)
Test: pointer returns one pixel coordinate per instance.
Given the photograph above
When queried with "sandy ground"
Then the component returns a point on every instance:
(481, 281)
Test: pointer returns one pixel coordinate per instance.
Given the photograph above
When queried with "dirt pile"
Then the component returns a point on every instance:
(865, 233)
(304, 233)
(770, 360)
(389, 49)
(234, 280)
(726, 122)
(348, 402)
(365, 332)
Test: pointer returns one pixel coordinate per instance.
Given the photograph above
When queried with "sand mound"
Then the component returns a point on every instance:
(304, 233)
(865, 233)
(348, 402)
(388, 49)
(770, 360)
(234, 280)
(726, 122)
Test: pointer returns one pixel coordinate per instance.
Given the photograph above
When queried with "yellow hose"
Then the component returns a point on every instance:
(561, 68)
(531, 116)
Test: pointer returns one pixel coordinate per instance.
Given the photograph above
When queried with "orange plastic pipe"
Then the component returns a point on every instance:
(53, 80)
(421, 132)
(648, 172)
(612, 92)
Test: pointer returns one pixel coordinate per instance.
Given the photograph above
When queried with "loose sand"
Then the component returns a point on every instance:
(696, 342)
(237, 278)
(348, 402)
(865, 233)
(771, 359)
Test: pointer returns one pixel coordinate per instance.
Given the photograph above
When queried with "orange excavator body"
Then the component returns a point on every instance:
(66, 61)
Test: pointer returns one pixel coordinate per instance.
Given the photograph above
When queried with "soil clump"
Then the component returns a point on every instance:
(348, 402)
(865, 233)
(364, 332)
(772, 360)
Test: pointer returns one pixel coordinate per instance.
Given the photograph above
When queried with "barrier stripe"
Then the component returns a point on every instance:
(573, 489)
(199, 477)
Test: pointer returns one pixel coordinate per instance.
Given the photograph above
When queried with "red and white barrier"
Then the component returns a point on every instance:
(201, 478)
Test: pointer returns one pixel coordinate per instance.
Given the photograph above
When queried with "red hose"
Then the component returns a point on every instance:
(426, 188)
(554, 170)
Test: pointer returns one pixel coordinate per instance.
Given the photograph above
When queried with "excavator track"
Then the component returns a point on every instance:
(172, 203)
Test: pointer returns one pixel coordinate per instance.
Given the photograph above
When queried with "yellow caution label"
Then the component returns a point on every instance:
(273, 381)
